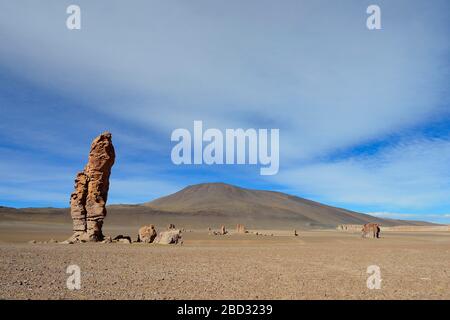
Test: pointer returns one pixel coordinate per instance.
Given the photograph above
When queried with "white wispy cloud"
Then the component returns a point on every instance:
(438, 218)
(317, 74)
(327, 89)
(412, 175)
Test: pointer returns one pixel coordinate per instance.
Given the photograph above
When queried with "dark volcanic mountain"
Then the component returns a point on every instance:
(260, 207)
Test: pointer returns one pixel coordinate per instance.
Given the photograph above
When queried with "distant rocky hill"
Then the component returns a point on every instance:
(215, 204)
(235, 203)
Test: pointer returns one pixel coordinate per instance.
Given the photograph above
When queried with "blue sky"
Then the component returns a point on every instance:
(364, 116)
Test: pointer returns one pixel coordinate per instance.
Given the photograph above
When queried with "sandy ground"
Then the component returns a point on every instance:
(315, 265)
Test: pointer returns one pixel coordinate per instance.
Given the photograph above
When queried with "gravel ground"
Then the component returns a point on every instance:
(315, 265)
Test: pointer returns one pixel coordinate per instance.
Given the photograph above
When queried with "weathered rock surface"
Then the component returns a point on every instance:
(88, 201)
(169, 237)
(147, 234)
(122, 239)
(371, 228)
(107, 240)
(240, 228)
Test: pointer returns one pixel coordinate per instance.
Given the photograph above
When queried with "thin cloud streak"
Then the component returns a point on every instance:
(317, 74)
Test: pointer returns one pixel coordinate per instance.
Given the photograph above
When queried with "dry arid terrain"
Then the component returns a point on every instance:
(268, 262)
(318, 264)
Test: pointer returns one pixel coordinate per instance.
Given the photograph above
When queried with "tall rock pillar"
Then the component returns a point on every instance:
(88, 201)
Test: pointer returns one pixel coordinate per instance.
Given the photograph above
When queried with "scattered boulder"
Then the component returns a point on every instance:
(371, 228)
(88, 201)
(147, 234)
(295, 233)
(171, 227)
(240, 228)
(223, 231)
(107, 239)
(32, 241)
(169, 237)
(120, 237)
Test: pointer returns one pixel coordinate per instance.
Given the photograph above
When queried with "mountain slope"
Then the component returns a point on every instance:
(231, 202)
(213, 205)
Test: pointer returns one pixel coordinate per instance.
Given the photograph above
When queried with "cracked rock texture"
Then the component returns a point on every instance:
(88, 201)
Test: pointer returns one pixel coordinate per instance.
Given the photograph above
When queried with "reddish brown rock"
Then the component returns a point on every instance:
(373, 228)
(147, 234)
(88, 201)
(78, 202)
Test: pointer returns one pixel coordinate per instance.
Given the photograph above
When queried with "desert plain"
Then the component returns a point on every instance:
(316, 264)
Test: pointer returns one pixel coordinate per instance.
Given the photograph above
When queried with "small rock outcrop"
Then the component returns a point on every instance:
(240, 228)
(349, 227)
(371, 228)
(88, 201)
(147, 234)
(107, 239)
(171, 227)
(169, 237)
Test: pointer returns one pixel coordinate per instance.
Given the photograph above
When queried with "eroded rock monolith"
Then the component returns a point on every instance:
(88, 201)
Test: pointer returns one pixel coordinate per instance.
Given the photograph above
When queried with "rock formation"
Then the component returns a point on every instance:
(349, 227)
(171, 226)
(169, 237)
(373, 228)
(223, 231)
(88, 201)
(122, 239)
(240, 228)
(147, 234)
(295, 233)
